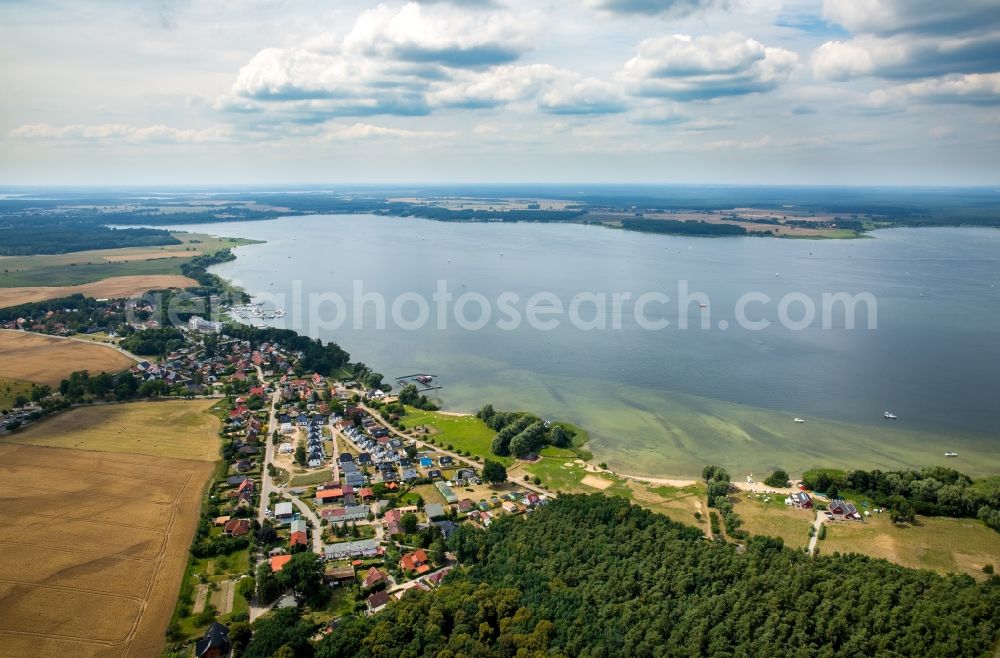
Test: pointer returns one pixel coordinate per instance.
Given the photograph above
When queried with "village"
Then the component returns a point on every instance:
(312, 467)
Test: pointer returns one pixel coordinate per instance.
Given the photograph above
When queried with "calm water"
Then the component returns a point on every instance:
(668, 400)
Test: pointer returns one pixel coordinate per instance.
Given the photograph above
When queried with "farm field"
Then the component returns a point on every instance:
(941, 544)
(110, 288)
(48, 360)
(90, 266)
(168, 428)
(105, 583)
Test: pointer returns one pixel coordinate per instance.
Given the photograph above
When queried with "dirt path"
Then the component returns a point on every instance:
(200, 598)
(817, 524)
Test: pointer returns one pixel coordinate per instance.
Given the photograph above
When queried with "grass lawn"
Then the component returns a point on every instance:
(10, 388)
(308, 479)
(941, 544)
(429, 493)
(774, 519)
(169, 428)
(462, 432)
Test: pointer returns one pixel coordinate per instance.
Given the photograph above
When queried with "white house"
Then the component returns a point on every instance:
(283, 512)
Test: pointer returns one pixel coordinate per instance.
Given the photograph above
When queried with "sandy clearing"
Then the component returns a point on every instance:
(112, 287)
(595, 482)
(48, 360)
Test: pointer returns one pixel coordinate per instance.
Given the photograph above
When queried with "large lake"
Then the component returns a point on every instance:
(668, 401)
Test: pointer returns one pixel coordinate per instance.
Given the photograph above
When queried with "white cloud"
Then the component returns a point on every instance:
(711, 66)
(438, 35)
(907, 56)
(974, 89)
(917, 16)
(122, 133)
(360, 131)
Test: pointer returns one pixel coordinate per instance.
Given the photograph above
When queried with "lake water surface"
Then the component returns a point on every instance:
(667, 401)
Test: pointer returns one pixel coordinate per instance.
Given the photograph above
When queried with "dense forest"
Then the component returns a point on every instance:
(932, 491)
(594, 576)
(520, 433)
(53, 236)
(681, 228)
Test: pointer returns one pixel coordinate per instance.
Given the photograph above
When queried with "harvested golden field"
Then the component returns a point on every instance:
(167, 428)
(94, 548)
(49, 360)
(110, 288)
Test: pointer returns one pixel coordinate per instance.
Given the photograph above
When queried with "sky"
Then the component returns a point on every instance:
(855, 92)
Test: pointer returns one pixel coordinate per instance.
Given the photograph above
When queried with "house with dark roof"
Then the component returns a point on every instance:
(377, 601)
(215, 642)
(801, 500)
(843, 508)
(236, 527)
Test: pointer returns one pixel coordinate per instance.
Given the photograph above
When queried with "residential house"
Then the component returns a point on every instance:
(351, 513)
(447, 528)
(377, 601)
(278, 562)
(327, 496)
(349, 549)
(373, 578)
(236, 527)
(283, 512)
(434, 511)
(416, 562)
(844, 509)
(215, 642)
(335, 575)
(801, 500)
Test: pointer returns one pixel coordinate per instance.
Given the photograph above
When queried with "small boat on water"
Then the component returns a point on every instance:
(888, 415)
(951, 454)
(799, 420)
(702, 305)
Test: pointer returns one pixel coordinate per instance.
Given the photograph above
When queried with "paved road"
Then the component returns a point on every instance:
(266, 483)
